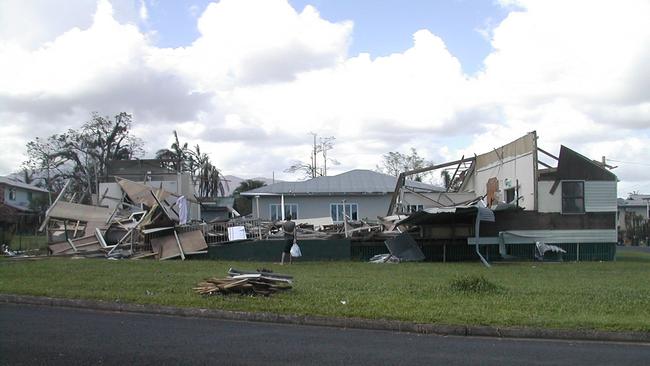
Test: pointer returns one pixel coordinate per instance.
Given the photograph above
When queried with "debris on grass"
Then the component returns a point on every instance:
(248, 283)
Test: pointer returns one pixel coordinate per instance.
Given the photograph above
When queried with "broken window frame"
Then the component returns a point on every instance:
(289, 208)
(336, 211)
(566, 198)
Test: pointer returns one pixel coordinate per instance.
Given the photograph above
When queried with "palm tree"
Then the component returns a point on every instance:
(178, 153)
(211, 181)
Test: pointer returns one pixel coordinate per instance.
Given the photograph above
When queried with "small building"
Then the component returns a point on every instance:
(633, 219)
(20, 205)
(359, 194)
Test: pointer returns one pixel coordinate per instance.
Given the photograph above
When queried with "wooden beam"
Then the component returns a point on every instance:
(434, 167)
(544, 164)
(554, 187)
(72, 245)
(49, 209)
(401, 179)
(547, 153)
(180, 248)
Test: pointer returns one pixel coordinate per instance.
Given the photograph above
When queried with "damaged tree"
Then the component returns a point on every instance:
(82, 156)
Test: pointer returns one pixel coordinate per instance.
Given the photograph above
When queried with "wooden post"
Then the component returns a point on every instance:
(180, 248)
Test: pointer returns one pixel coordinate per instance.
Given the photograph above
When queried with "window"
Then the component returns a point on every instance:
(351, 211)
(289, 208)
(510, 195)
(573, 197)
(413, 208)
(12, 194)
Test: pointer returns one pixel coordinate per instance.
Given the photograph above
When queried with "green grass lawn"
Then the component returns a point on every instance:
(586, 295)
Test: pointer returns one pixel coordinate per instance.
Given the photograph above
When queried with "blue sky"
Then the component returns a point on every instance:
(381, 27)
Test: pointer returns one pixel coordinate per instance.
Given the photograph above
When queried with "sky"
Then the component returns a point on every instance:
(250, 80)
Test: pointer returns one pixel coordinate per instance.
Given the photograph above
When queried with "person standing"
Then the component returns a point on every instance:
(289, 228)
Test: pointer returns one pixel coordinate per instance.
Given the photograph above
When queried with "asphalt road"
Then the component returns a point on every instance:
(40, 335)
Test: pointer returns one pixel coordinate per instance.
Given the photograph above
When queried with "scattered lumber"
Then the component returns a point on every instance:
(263, 283)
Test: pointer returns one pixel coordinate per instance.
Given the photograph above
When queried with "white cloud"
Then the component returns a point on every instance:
(143, 12)
(262, 75)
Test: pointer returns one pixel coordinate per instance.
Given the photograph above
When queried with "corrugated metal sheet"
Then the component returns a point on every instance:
(551, 237)
(600, 196)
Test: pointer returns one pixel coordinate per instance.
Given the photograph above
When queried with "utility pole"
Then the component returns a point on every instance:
(314, 171)
(326, 143)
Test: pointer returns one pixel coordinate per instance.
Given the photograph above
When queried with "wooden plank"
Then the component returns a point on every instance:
(547, 153)
(180, 247)
(47, 213)
(72, 245)
(76, 227)
(64, 246)
(143, 255)
(79, 212)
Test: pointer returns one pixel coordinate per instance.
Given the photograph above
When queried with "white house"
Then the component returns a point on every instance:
(359, 194)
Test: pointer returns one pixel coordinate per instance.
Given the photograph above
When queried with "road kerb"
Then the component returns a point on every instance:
(353, 323)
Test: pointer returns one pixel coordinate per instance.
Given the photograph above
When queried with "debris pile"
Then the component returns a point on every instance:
(262, 282)
(145, 222)
(402, 248)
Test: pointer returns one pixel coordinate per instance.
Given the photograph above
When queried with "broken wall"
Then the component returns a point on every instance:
(509, 163)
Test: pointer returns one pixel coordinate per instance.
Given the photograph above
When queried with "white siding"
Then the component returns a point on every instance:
(549, 202)
(600, 196)
(520, 167)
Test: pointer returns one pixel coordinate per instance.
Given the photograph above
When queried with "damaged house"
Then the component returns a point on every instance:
(358, 194)
(524, 206)
(634, 219)
(20, 207)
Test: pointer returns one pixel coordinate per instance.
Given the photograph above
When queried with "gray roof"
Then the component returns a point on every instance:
(353, 182)
(18, 184)
(643, 202)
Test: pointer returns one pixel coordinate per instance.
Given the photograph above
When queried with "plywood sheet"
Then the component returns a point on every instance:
(78, 212)
(141, 193)
(192, 241)
(165, 246)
